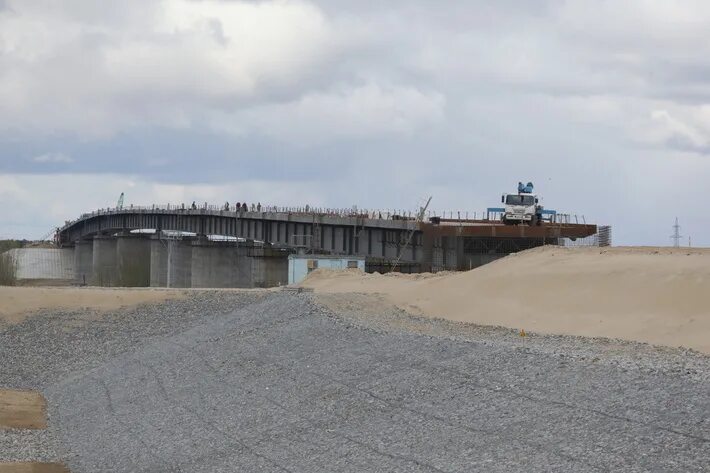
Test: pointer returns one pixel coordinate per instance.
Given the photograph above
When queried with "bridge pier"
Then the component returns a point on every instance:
(104, 261)
(179, 263)
(133, 255)
(158, 262)
(83, 261)
(217, 264)
(269, 267)
(170, 262)
(228, 264)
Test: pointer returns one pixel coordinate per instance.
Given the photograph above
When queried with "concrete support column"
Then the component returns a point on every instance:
(179, 263)
(171, 262)
(461, 262)
(430, 258)
(339, 233)
(361, 240)
(328, 243)
(219, 265)
(103, 261)
(132, 261)
(158, 262)
(451, 253)
(83, 261)
(269, 268)
(391, 245)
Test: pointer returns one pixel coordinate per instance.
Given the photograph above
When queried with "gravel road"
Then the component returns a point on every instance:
(275, 382)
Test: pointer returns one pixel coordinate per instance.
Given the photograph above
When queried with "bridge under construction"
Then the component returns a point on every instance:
(221, 247)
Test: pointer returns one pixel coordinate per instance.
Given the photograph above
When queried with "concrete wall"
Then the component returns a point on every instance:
(43, 263)
(171, 263)
(361, 236)
(227, 265)
(83, 261)
(158, 263)
(219, 265)
(104, 262)
(340, 244)
(133, 257)
(204, 263)
(446, 253)
(180, 263)
(269, 269)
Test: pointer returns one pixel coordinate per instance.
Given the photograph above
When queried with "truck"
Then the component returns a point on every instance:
(523, 207)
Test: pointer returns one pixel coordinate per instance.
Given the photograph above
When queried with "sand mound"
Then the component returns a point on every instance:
(655, 295)
(324, 276)
(16, 303)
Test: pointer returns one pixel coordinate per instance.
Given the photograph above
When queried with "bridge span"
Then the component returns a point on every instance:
(131, 235)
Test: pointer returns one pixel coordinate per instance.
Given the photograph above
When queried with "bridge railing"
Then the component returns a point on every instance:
(388, 214)
(253, 208)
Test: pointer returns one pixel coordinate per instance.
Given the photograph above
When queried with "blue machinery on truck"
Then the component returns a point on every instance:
(522, 207)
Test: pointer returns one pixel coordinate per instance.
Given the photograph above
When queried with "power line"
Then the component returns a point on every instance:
(676, 234)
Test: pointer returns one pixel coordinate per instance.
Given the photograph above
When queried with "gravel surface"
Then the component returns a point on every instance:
(275, 382)
(358, 309)
(27, 445)
(50, 345)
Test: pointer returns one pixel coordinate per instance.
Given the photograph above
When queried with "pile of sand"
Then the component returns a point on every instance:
(655, 295)
(16, 303)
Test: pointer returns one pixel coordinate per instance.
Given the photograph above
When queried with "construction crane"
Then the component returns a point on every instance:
(419, 219)
(119, 204)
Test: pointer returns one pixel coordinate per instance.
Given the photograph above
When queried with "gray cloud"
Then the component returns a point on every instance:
(368, 102)
(53, 158)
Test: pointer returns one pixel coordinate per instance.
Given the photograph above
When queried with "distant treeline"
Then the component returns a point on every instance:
(10, 244)
(8, 266)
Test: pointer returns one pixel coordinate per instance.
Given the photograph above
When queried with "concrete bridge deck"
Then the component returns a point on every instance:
(108, 251)
(347, 234)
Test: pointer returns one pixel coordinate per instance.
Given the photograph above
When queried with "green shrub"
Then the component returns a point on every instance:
(10, 244)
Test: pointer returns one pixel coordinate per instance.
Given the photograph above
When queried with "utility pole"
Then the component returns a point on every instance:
(676, 234)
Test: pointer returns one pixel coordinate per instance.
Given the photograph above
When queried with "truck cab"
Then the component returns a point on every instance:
(521, 208)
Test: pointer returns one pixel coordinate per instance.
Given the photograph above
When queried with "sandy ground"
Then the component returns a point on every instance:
(16, 303)
(655, 295)
(25, 410)
(22, 410)
(32, 467)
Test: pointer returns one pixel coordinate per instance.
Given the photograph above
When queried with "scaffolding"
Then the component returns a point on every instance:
(601, 239)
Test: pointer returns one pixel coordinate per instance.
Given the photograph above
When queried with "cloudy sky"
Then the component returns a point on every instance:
(604, 105)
